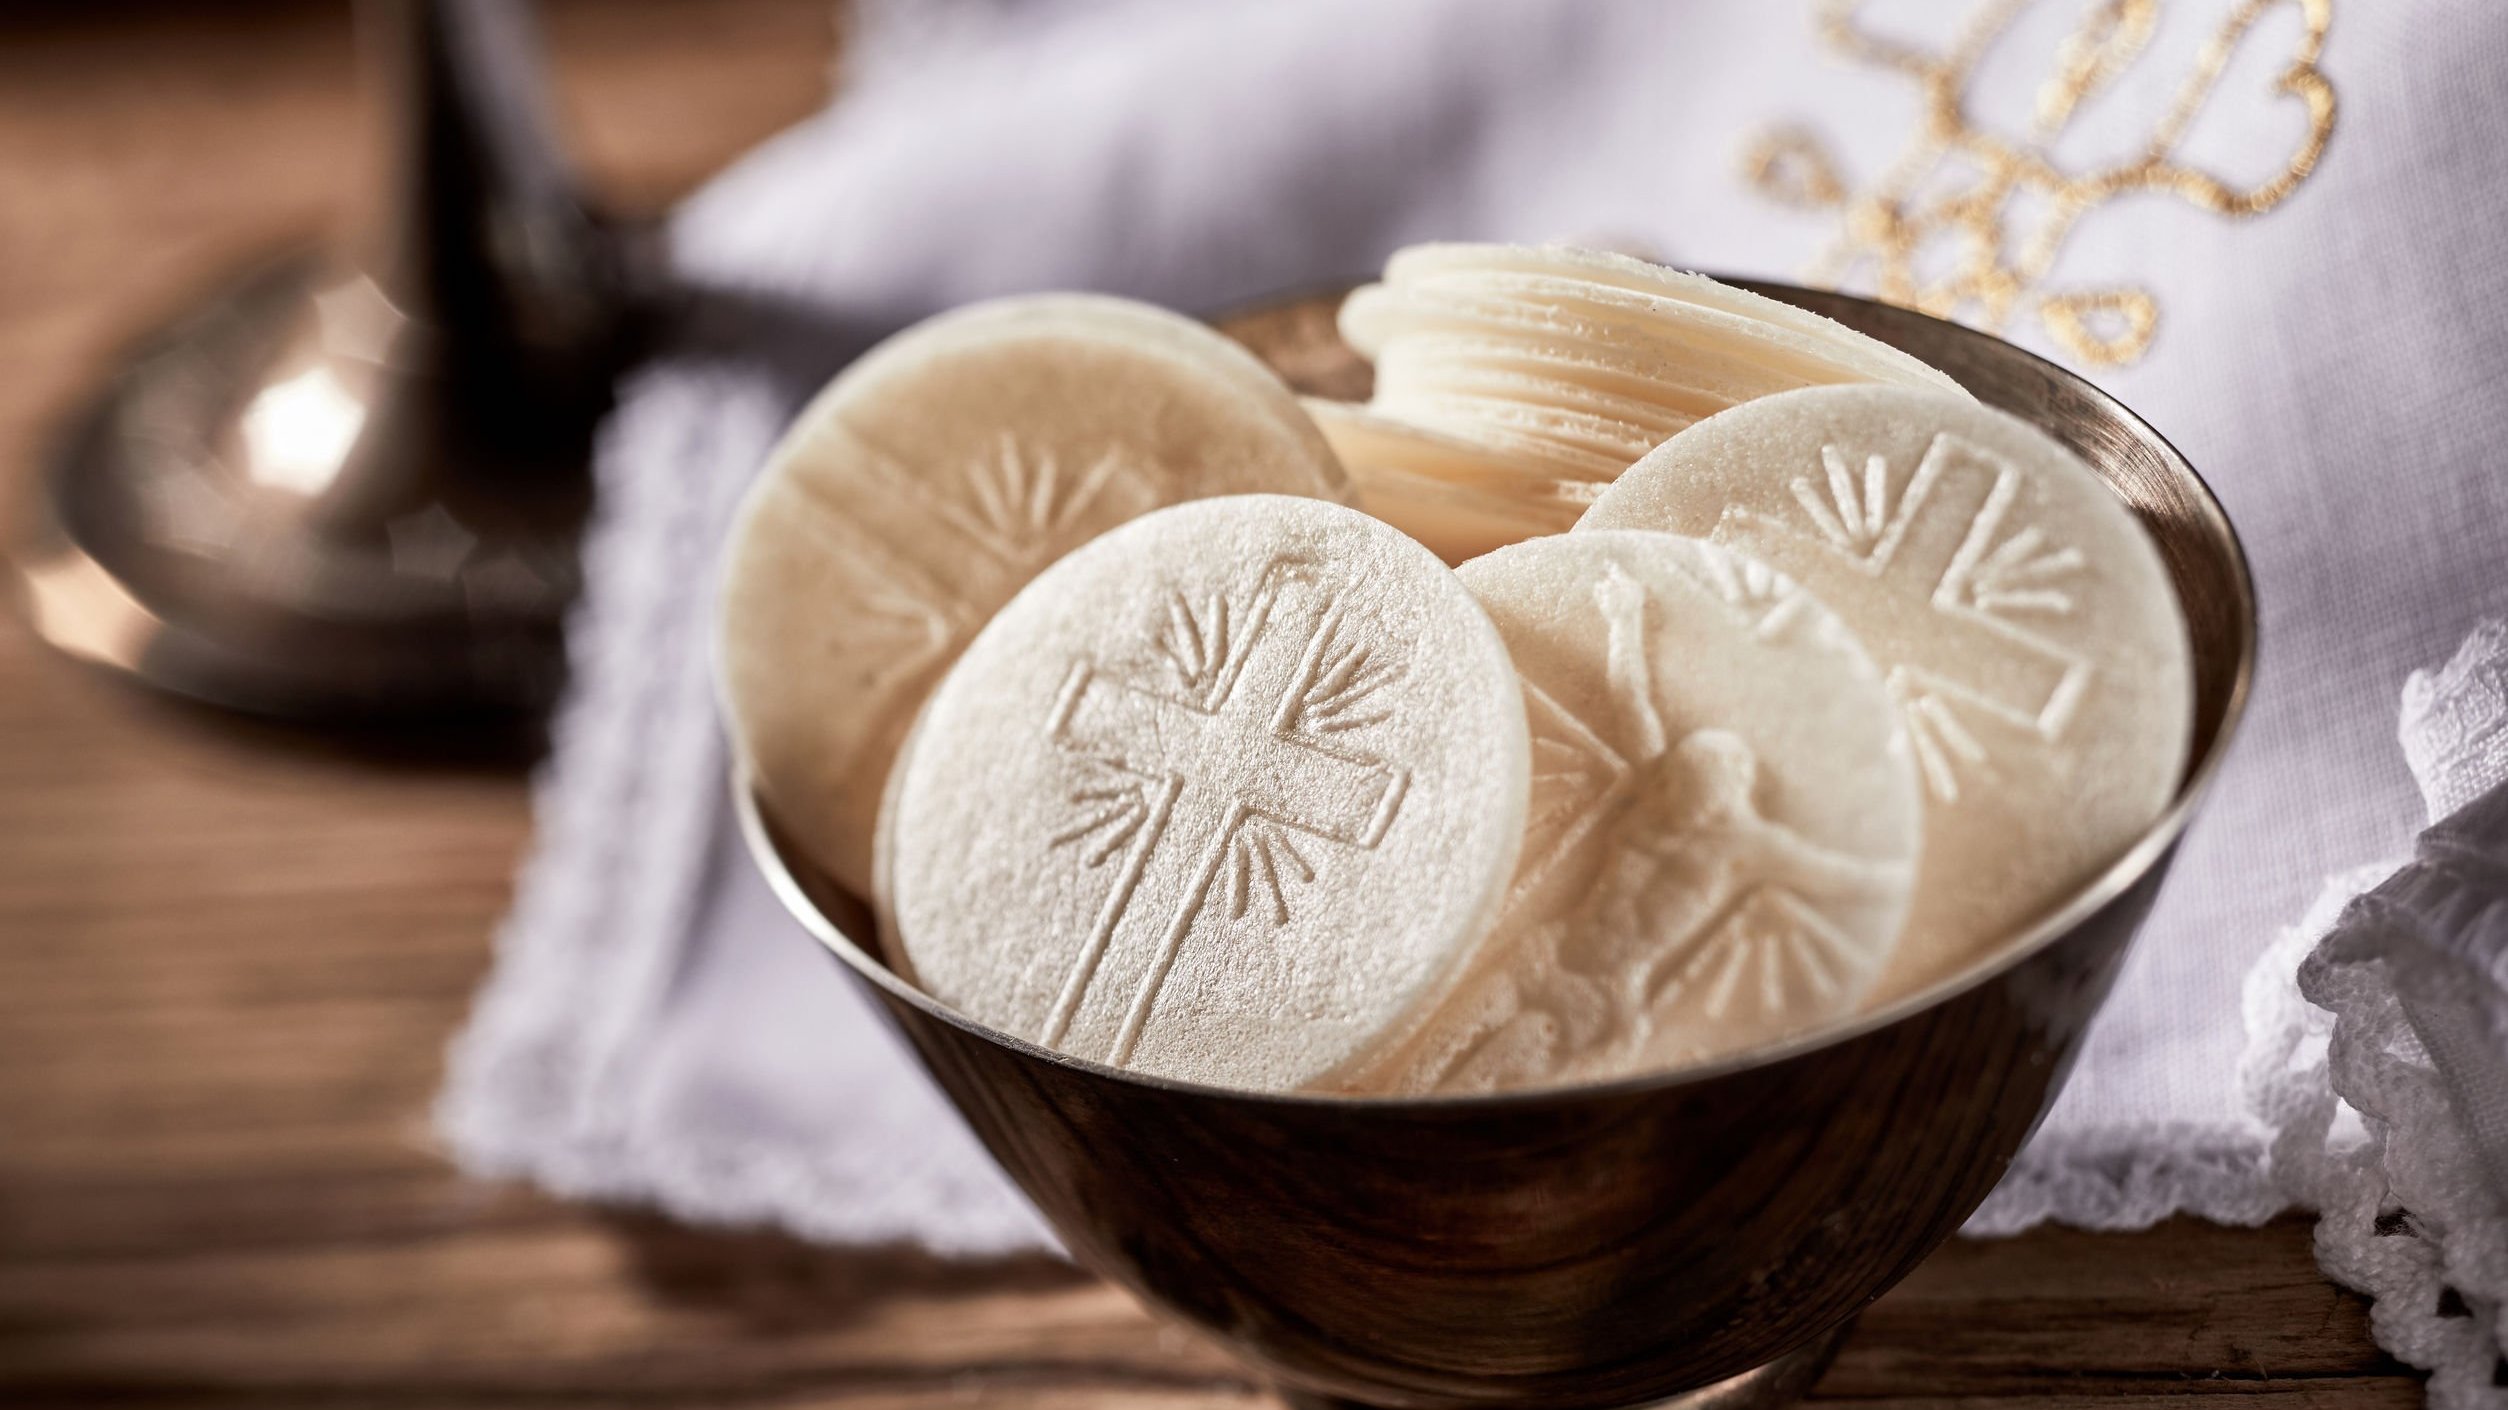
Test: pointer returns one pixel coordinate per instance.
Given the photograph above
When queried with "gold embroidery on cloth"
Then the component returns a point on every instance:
(1998, 260)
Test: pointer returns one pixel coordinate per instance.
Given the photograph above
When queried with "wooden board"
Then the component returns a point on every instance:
(230, 959)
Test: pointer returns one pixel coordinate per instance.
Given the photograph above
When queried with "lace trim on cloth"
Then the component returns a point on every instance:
(608, 899)
(2378, 1051)
(2119, 1178)
(608, 892)
(629, 808)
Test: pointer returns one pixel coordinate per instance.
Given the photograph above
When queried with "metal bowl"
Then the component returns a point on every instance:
(1709, 1231)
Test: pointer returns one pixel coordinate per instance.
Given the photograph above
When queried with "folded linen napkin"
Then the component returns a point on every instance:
(2318, 323)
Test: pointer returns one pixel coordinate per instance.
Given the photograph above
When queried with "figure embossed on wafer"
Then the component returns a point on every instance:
(2023, 618)
(1723, 831)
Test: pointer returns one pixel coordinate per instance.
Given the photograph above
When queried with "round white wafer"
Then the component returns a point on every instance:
(2028, 627)
(1724, 825)
(1217, 797)
(928, 483)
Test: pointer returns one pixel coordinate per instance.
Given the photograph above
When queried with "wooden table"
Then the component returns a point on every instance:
(230, 959)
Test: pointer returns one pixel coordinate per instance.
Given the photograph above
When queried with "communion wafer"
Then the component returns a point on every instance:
(1677, 341)
(1379, 317)
(1588, 357)
(1405, 372)
(1458, 498)
(1878, 360)
(1359, 432)
(2026, 623)
(1723, 831)
(1691, 389)
(1608, 312)
(1459, 522)
(934, 478)
(1484, 369)
(1217, 797)
(1618, 442)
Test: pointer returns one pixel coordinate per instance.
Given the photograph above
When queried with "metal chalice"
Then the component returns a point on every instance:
(1704, 1235)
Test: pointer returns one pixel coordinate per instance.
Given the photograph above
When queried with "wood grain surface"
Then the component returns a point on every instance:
(230, 958)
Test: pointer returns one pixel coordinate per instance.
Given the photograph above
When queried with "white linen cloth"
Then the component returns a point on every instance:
(2378, 1051)
(656, 1030)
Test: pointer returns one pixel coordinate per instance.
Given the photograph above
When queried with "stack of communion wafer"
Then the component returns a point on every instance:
(1650, 673)
(1513, 383)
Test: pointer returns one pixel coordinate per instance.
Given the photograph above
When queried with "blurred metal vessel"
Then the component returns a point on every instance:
(1706, 1234)
(340, 494)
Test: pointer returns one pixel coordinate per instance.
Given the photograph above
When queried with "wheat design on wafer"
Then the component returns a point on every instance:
(1021, 503)
(1955, 524)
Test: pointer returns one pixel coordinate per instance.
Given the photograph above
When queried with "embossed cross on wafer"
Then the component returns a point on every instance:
(1238, 748)
(1943, 535)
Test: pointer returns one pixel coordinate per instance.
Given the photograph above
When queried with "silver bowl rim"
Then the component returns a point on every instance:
(2084, 901)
